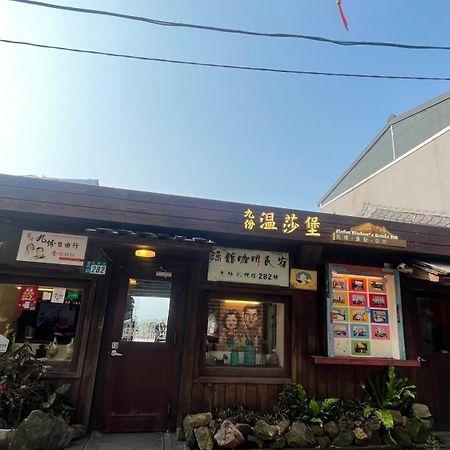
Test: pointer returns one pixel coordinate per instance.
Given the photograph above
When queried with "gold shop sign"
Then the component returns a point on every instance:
(287, 224)
(368, 234)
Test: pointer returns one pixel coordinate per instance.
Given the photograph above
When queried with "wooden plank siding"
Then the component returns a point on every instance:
(110, 205)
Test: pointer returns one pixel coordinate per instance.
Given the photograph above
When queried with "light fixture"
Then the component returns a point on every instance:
(132, 281)
(145, 253)
(242, 302)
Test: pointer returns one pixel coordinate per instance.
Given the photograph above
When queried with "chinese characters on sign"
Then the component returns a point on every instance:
(27, 299)
(52, 248)
(290, 223)
(248, 266)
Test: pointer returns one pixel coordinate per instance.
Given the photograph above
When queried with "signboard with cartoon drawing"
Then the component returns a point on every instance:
(363, 305)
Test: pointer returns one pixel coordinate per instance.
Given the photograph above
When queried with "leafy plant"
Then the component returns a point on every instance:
(24, 388)
(238, 414)
(388, 391)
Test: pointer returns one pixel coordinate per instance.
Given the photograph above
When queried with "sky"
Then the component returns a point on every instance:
(256, 138)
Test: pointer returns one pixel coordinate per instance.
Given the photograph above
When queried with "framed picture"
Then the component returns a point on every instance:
(339, 284)
(359, 331)
(377, 285)
(380, 332)
(357, 284)
(339, 315)
(340, 331)
(360, 347)
(378, 301)
(358, 300)
(340, 298)
(379, 316)
(359, 315)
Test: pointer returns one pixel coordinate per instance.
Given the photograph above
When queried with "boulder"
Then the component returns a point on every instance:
(282, 426)
(5, 435)
(401, 436)
(188, 432)
(420, 410)
(228, 436)
(255, 442)
(213, 426)
(79, 431)
(244, 428)
(361, 437)
(317, 430)
(331, 429)
(201, 419)
(300, 436)
(418, 431)
(344, 439)
(323, 441)
(41, 431)
(264, 431)
(278, 442)
(204, 438)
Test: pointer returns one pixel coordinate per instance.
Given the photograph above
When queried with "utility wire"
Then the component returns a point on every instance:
(227, 66)
(235, 31)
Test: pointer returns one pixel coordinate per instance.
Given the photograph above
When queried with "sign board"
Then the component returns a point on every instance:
(27, 298)
(95, 267)
(368, 234)
(59, 294)
(237, 265)
(303, 279)
(52, 248)
(4, 342)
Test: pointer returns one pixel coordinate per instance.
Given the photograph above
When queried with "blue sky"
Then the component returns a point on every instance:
(270, 139)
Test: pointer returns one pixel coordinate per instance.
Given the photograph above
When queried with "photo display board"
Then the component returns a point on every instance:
(364, 313)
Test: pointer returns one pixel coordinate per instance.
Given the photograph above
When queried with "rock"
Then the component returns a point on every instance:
(41, 431)
(278, 442)
(79, 431)
(406, 422)
(396, 416)
(244, 428)
(418, 432)
(254, 440)
(228, 436)
(213, 426)
(374, 438)
(343, 439)
(283, 426)
(300, 436)
(201, 420)
(388, 439)
(204, 438)
(401, 436)
(427, 423)
(323, 441)
(188, 432)
(331, 429)
(264, 431)
(420, 410)
(372, 425)
(361, 437)
(317, 430)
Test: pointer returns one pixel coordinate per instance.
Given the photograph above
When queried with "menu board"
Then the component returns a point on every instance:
(362, 307)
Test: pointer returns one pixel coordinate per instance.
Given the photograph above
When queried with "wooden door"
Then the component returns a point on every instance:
(140, 382)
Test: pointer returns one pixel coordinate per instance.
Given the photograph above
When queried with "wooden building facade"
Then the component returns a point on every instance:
(81, 297)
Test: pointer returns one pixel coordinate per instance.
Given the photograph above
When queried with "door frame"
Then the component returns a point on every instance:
(120, 273)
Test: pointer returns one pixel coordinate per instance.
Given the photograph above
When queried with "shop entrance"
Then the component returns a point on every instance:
(140, 381)
(433, 332)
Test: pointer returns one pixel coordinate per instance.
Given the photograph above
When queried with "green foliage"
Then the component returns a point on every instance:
(385, 418)
(432, 443)
(388, 391)
(24, 388)
(238, 414)
(293, 404)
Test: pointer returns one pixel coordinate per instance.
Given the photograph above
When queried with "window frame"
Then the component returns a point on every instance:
(246, 373)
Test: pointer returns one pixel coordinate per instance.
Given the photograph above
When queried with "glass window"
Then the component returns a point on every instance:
(245, 333)
(45, 317)
(147, 311)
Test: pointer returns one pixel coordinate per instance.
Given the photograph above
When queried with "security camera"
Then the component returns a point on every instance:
(403, 268)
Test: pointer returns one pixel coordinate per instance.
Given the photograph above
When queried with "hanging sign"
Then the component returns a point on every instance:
(96, 267)
(52, 248)
(27, 298)
(303, 279)
(368, 234)
(248, 266)
(4, 342)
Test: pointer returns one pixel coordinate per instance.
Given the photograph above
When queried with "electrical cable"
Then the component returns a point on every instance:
(233, 30)
(228, 66)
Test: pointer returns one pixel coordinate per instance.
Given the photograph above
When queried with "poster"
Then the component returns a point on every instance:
(249, 266)
(27, 298)
(52, 248)
(363, 318)
(303, 279)
(59, 294)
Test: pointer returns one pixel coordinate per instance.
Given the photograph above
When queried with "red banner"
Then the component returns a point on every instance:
(27, 298)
